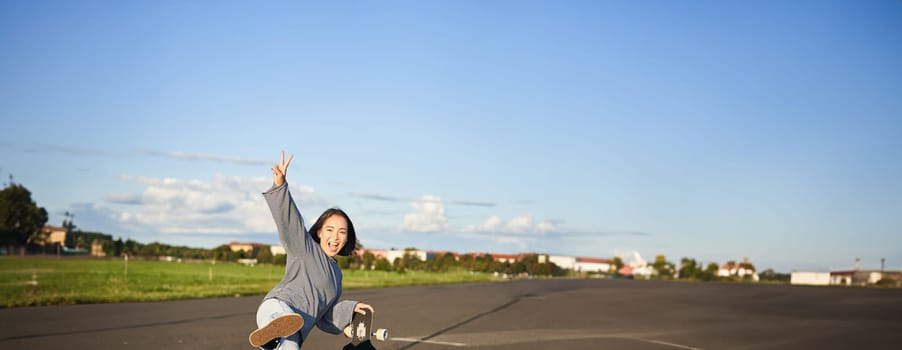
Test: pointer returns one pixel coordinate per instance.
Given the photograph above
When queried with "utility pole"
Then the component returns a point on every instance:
(882, 261)
(857, 263)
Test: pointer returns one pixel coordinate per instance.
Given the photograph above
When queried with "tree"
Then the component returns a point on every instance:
(689, 269)
(382, 264)
(117, 247)
(466, 262)
(264, 255)
(411, 261)
(368, 260)
(356, 260)
(617, 264)
(745, 264)
(446, 262)
(518, 267)
(710, 272)
(20, 216)
(344, 262)
(772, 276)
(280, 259)
(72, 238)
(662, 267)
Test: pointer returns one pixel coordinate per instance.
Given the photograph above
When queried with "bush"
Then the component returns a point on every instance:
(279, 259)
(382, 265)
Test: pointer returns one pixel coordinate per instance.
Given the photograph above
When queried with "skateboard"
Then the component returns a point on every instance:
(361, 329)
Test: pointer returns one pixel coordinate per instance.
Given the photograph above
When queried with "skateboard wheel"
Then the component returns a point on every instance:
(381, 334)
(348, 332)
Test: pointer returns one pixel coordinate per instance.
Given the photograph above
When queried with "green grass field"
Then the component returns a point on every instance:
(34, 281)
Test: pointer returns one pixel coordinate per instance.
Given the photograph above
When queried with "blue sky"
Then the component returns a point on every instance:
(708, 129)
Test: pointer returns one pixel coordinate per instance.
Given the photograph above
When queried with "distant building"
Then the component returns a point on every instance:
(845, 277)
(248, 262)
(97, 249)
(737, 270)
(637, 267)
(565, 262)
(276, 250)
(441, 253)
(855, 277)
(245, 246)
(391, 255)
(581, 264)
(55, 235)
(810, 278)
(625, 270)
(507, 258)
(891, 278)
(377, 253)
(584, 264)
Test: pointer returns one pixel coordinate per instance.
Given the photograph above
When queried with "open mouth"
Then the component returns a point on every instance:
(333, 245)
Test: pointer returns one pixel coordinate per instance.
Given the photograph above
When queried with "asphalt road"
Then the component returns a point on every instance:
(536, 314)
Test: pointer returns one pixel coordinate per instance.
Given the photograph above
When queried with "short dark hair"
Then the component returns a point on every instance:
(351, 245)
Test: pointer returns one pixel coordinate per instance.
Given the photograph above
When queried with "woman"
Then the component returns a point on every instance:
(308, 293)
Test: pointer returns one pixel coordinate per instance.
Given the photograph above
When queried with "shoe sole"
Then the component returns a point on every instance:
(279, 327)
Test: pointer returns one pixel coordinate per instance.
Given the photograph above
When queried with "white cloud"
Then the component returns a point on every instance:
(519, 225)
(223, 205)
(492, 224)
(545, 227)
(428, 216)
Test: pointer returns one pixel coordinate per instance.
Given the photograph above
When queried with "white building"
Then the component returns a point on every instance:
(837, 278)
(855, 277)
(276, 250)
(636, 267)
(810, 278)
(565, 262)
(581, 264)
(736, 270)
(592, 265)
(391, 255)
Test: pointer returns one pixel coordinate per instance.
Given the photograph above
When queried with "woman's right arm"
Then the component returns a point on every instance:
(285, 213)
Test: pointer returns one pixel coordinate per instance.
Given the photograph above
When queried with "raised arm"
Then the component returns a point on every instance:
(285, 213)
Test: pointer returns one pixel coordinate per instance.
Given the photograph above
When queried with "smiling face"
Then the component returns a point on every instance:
(333, 235)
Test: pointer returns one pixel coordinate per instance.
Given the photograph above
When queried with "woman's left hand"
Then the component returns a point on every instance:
(361, 306)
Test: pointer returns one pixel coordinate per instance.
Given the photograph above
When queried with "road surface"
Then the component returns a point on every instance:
(528, 314)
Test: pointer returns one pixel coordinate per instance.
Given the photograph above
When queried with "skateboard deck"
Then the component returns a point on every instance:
(361, 329)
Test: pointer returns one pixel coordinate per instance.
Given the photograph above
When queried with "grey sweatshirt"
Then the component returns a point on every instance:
(312, 281)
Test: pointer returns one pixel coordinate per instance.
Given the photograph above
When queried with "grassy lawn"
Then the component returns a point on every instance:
(33, 281)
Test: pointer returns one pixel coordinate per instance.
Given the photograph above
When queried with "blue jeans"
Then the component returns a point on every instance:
(272, 308)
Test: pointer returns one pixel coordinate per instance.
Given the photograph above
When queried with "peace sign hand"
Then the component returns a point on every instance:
(279, 170)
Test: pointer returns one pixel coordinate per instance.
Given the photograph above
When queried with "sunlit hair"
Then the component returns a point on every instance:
(351, 244)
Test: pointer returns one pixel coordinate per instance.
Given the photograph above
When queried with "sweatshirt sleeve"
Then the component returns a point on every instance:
(289, 221)
(338, 317)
